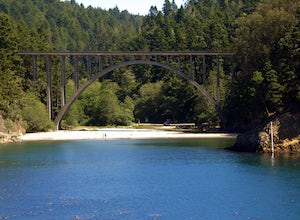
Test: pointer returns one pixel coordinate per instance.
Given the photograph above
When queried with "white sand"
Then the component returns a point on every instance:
(111, 134)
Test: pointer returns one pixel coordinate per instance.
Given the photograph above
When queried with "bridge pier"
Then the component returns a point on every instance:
(63, 79)
(204, 72)
(76, 73)
(49, 86)
(100, 64)
(218, 80)
(34, 68)
(89, 66)
(191, 67)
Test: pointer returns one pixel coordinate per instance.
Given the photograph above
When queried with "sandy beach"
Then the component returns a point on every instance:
(117, 133)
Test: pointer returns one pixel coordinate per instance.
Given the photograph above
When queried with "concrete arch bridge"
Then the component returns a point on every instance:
(172, 61)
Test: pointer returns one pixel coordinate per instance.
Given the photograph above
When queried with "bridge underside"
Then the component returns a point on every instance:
(109, 61)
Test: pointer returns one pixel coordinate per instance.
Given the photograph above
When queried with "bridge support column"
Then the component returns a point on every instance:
(111, 61)
(63, 79)
(76, 73)
(232, 76)
(218, 80)
(100, 64)
(89, 67)
(34, 68)
(49, 85)
(204, 71)
(191, 67)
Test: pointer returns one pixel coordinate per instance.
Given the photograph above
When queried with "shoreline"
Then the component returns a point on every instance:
(117, 134)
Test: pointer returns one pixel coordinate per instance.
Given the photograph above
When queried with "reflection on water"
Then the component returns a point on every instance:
(281, 160)
(266, 159)
(145, 179)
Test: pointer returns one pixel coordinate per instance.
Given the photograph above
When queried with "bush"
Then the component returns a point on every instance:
(35, 115)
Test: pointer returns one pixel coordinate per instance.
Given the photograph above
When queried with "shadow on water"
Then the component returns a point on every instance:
(280, 160)
(214, 143)
(268, 160)
(31, 154)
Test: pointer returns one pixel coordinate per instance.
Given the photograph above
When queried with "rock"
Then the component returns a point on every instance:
(11, 134)
(286, 135)
(9, 138)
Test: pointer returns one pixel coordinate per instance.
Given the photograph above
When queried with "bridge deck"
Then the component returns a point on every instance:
(128, 53)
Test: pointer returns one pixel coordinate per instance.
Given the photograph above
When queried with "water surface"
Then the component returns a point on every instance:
(145, 179)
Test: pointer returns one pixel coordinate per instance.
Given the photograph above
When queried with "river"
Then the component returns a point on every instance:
(145, 179)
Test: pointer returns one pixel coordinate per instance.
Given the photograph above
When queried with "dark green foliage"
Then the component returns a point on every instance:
(265, 37)
(34, 115)
(266, 42)
(16, 102)
(70, 26)
(99, 105)
(9, 82)
(149, 102)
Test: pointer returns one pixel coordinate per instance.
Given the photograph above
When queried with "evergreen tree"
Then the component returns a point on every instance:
(264, 34)
(10, 83)
(167, 8)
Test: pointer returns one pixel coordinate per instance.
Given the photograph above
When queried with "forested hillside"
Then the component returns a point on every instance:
(69, 26)
(263, 34)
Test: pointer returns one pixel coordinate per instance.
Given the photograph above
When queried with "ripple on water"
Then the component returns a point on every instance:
(145, 179)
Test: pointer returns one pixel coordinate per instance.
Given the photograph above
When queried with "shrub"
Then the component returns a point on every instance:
(35, 115)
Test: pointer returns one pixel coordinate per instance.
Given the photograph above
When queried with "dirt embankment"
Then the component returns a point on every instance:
(286, 135)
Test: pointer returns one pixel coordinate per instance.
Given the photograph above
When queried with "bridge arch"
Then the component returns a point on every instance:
(109, 69)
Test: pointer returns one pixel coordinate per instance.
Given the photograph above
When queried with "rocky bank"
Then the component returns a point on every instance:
(286, 135)
(10, 131)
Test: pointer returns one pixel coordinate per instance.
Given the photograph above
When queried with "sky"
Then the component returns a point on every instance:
(132, 6)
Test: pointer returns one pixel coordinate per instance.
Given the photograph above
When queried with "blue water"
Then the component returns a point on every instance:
(145, 179)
